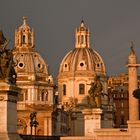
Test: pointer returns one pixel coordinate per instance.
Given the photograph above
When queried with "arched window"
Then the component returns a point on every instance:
(78, 39)
(64, 89)
(122, 120)
(29, 39)
(82, 39)
(26, 95)
(42, 96)
(81, 88)
(23, 39)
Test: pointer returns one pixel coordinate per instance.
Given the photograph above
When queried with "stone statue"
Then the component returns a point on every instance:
(95, 92)
(2, 38)
(7, 71)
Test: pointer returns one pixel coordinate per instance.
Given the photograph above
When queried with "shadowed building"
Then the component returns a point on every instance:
(118, 91)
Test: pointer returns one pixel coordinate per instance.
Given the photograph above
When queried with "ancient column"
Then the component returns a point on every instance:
(132, 85)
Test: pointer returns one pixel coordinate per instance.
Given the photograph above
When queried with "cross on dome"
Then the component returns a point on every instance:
(82, 23)
(24, 20)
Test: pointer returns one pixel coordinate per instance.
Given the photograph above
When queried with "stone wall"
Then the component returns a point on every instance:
(132, 133)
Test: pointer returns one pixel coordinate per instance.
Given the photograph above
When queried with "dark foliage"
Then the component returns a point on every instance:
(136, 93)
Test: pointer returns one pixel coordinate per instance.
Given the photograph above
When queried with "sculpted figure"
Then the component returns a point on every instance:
(95, 92)
(2, 38)
(7, 71)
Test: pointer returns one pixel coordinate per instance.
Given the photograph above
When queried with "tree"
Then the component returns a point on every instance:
(136, 93)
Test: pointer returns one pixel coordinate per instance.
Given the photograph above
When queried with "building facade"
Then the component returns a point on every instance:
(77, 71)
(35, 82)
(118, 91)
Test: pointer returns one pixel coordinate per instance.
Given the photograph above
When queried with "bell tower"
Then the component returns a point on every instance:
(82, 36)
(24, 37)
(133, 84)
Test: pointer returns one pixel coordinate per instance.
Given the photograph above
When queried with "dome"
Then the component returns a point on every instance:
(30, 63)
(79, 68)
(30, 66)
(82, 58)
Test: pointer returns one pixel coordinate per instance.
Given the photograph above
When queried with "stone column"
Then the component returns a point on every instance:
(132, 85)
(8, 112)
(92, 118)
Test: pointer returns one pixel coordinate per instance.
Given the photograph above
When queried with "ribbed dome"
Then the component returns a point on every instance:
(30, 63)
(85, 59)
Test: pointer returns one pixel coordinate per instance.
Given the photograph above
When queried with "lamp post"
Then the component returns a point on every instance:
(33, 122)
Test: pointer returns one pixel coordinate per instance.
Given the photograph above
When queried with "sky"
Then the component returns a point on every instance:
(113, 24)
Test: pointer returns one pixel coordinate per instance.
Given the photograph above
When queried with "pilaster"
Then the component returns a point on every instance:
(92, 119)
(8, 111)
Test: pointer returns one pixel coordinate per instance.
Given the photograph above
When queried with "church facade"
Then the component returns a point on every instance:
(36, 84)
(77, 72)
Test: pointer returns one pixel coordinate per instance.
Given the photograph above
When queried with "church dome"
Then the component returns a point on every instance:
(30, 63)
(82, 58)
(79, 68)
(30, 66)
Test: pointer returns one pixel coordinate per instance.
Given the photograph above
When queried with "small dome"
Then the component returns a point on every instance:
(30, 63)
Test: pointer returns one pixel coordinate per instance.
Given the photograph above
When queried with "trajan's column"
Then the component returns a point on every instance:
(133, 84)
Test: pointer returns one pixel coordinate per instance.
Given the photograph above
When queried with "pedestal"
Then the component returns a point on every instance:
(92, 118)
(8, 112)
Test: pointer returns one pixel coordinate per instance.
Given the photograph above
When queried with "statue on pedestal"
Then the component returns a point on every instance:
(7, 71)
(95, 92)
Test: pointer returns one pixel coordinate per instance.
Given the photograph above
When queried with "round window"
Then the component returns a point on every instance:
(21, 65)
(82, 64)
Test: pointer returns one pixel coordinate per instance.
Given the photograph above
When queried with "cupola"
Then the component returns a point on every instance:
(82, 36)
(24, 36)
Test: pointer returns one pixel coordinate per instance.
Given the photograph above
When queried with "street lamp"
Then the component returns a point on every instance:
(33, 122)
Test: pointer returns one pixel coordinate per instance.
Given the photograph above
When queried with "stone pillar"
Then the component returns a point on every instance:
(132, 85)
(92, 118)
(8, 112)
